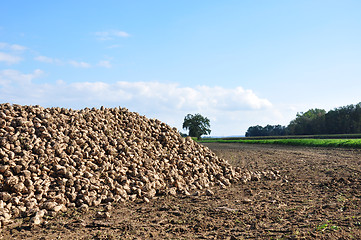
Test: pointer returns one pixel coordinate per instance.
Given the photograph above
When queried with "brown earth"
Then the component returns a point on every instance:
(318, 197)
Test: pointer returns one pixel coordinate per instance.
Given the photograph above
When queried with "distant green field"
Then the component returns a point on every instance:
(323, 136)
(342, 143)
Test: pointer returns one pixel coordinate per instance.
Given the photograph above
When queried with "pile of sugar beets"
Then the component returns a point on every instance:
(52, 159)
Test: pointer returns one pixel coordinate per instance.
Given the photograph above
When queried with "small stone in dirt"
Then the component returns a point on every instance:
(79, 223)
(246, 200)
(227, 209)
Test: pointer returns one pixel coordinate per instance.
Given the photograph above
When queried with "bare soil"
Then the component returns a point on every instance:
(317, 197)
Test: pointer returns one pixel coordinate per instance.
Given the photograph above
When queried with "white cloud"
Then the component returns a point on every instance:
(230, 110)
(17, 47)
(14, 47)
(46, 59)
(79, 64)
(10, 77)
(114, 46)
(105, 64)
(9, 58)
(111, 34)
(10, 52)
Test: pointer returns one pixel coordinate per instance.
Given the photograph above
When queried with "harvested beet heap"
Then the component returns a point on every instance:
(54, 158)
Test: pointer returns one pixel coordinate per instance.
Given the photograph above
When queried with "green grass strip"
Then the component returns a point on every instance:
(339, 143)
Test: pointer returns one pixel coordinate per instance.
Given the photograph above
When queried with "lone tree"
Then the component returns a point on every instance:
(197, 125)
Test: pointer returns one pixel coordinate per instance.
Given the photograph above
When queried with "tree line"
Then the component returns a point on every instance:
(342, 120)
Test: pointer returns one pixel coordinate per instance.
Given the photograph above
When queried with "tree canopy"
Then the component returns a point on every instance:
(197, 125)
(342, 120)
(310, 122)
(269, 130)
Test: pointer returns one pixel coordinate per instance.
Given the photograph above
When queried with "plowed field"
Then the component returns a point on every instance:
(317, 197)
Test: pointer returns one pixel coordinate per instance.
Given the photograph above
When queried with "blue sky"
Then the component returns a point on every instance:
(239, 63)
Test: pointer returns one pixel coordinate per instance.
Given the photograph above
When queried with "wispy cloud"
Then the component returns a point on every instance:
(105, 64)
(9, 58)
(14, 47)
(10, 53)
(114, 46)
(10, 78)
(47, 59)
(79, 64)
(17, 47)
(111, 34)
